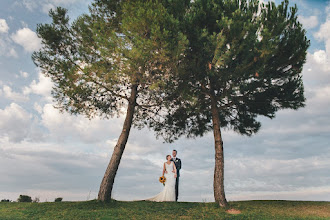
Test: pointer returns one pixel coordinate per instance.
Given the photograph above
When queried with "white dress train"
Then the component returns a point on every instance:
(168, 193)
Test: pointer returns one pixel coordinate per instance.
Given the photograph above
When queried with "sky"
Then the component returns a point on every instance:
(48, 154)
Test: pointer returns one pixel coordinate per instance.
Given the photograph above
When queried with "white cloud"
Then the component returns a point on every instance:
(50, 195)
(15, 123)
(250, 167)
(49, 170)
(323, 33)
(327, 10)
(319, 100)
(12, 53)
(322, 57)
(9, 94)
(41, 87)
(3, 26)
(312, 120)
(308, 22)
(303, 193)
(27, 39)
(59, 2)
(23, 74)
(30, 4)
(46, 7)
(64, 126)
(6, 48)
(314, 73)
(37, 107)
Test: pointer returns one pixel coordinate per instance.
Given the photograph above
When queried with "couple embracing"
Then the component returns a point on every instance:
(171, 171)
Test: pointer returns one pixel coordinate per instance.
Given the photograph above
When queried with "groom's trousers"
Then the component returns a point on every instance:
(177, 189)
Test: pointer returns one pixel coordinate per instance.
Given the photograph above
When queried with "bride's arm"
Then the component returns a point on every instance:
(164, 169)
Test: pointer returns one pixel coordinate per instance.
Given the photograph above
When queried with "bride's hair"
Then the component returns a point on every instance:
(167, 156)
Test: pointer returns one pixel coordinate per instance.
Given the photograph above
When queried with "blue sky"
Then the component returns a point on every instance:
(46, 154)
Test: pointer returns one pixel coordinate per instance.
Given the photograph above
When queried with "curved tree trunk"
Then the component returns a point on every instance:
(218, 184)
(110, 173)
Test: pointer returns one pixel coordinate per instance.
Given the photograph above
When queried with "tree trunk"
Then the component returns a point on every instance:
(218, 184)
(110, 173)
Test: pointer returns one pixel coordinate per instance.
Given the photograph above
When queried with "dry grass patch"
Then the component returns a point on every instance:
(233, 211)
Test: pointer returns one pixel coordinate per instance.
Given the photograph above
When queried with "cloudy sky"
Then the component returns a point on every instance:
(46, 154)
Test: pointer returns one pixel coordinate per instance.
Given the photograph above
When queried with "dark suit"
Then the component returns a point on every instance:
(177, 163)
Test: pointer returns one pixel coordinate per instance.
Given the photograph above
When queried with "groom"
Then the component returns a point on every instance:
(177, 163)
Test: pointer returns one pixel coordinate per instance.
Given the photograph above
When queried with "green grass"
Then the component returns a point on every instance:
(166, 210)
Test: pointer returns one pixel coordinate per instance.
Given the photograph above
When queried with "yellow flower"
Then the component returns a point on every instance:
(162, 180)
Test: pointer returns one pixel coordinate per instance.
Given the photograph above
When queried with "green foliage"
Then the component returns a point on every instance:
(165, 210)
(96, 60)
(24, 198)
(246, 57)
(59, 199)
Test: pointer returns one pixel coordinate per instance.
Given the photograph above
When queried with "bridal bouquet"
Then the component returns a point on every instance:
(162, 179)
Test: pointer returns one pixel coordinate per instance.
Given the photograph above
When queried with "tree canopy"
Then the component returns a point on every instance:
(248, 56)
(95, 60)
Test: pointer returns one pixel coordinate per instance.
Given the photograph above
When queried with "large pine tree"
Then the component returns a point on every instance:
(119, 56)
(244, 59)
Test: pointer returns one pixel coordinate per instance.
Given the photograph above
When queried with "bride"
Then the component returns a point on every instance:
(168, 193)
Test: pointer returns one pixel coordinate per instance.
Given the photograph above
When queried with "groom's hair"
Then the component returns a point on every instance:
(175, 151)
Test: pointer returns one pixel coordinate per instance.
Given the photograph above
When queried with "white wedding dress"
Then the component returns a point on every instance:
(168, 193)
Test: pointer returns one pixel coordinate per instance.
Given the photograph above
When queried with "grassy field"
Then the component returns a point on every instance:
(167, 210)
